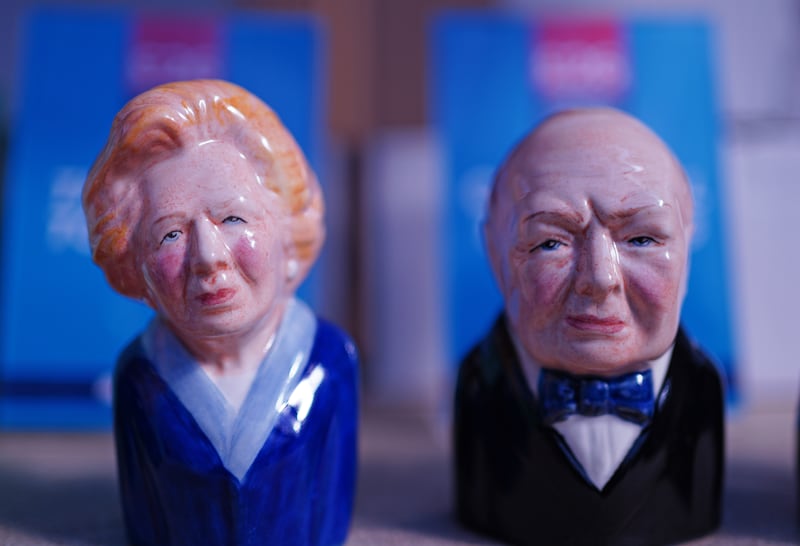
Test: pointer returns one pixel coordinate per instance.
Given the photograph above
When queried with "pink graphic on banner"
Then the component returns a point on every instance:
(583, 60)
(164, 49)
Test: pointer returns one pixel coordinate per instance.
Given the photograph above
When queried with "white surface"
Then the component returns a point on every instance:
(764, 211)
(403, 326)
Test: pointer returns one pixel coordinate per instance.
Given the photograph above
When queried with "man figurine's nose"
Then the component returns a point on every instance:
(209, 250)
(598, 268)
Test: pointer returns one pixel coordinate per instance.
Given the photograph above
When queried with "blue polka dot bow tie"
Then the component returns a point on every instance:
(629, 397)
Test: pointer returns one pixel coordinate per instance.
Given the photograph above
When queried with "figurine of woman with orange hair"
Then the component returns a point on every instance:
(235, 410)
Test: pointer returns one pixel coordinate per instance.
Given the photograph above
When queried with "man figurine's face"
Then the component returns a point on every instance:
(589, 233)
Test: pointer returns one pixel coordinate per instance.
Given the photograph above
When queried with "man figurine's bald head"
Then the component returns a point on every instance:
(575, 134)
(588, 232)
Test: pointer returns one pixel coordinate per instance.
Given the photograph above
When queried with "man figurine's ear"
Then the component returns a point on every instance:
(494, 253)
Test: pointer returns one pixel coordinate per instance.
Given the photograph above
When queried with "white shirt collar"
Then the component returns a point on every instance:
(601, 443)
(531, 368)
(237, 435)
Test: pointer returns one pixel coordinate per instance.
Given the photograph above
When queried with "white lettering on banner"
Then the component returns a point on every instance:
(580, 69)
(66, 226)
(163, 49)
(580, 59)
(164, 62)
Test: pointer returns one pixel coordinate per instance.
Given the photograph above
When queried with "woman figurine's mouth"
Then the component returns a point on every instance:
(217, 297)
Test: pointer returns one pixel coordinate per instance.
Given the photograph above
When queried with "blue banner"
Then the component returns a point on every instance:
(494, 76)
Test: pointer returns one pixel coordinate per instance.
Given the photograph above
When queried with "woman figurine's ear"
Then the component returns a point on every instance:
(146, 295)
(292, 268)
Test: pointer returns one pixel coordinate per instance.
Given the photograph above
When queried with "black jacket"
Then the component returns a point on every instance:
(515, 480)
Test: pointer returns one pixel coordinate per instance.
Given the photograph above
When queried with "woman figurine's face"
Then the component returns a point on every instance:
(212, 243)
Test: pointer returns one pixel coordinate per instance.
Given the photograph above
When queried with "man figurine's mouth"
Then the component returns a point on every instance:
(595, 324)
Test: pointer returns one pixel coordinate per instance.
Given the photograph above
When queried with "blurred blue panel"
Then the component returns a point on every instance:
(482, 101)
(675, 95)
(481, 104)
(280, 59)
(62, 326)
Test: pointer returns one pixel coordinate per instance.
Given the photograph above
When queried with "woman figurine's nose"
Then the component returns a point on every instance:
(598, 266)
(209, 250)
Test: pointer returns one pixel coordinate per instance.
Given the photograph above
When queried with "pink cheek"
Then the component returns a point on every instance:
(544, 284)
(655, 285)
(251, 256)
(167, 268)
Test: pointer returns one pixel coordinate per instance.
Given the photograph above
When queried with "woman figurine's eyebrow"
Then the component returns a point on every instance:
(167, 217)
(233, 201)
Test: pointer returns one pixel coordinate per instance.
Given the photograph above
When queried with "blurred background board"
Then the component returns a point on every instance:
(379, 79)
(62, 326)
(384, 176)
(494, 76)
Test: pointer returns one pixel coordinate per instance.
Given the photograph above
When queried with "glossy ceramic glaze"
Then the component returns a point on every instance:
(217, 477)
(235, 411)
(213, 244)
(588, 232)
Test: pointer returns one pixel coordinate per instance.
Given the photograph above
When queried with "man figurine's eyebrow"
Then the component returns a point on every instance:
(627, 213)
(555, 216)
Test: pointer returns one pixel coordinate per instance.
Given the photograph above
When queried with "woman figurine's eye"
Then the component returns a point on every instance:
(642, 241)
(234, 220)
(171, 236)
(548, 245)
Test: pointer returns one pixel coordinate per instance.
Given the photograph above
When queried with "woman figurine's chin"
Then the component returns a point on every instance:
(236, 322)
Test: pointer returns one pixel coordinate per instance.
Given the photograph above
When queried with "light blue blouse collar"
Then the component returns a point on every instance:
(237, 436)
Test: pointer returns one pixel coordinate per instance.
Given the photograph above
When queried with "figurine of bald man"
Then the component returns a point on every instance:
(586, 415)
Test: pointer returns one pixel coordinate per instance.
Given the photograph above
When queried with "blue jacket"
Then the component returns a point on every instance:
(298, 490)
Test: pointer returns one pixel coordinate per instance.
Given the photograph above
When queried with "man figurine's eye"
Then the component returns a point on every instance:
(171, 236)
(548, 245)
(234, 220)
(642, 241)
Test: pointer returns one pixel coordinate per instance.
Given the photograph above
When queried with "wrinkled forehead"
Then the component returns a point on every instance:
(603, 150)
